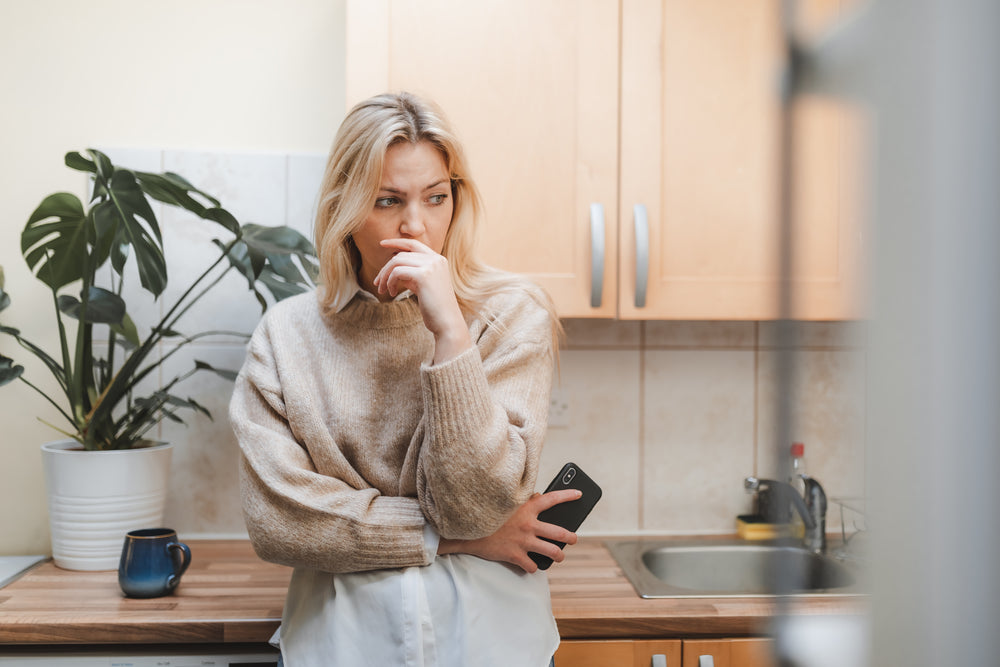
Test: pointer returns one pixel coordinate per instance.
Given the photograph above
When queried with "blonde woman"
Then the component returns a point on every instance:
(390, 424)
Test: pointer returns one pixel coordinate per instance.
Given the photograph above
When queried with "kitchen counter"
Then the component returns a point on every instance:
(230, 596)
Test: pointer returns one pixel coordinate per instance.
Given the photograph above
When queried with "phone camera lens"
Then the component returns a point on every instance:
(568, 477)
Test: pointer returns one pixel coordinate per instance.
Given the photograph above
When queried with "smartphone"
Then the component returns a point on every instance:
(568, 515)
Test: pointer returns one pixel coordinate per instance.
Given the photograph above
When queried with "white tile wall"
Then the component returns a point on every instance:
(602, 389)
(698, 438)
(669, 417)
(204, 482)
(708, 393)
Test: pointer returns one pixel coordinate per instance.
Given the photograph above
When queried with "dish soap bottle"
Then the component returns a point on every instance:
(798, 452)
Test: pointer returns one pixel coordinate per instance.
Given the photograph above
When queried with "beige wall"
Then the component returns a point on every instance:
(221, 75)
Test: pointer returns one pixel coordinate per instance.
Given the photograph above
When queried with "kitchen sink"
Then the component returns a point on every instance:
(730, 568)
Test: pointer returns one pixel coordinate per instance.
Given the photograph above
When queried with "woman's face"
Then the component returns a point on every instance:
(414, 202)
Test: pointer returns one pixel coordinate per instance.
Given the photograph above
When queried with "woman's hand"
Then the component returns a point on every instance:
(425, 273)
(522, 532)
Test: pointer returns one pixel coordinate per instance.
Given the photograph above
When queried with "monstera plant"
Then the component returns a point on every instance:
(81, 252)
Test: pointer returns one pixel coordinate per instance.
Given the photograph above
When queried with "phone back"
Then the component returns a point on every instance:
(568, 515)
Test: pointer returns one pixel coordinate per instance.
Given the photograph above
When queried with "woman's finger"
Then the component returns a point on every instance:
(407, 245)
(405, 277)
(553, 532)
(546, 548)
(553, 498)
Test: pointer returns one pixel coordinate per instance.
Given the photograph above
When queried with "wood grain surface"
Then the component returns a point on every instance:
(230, 596)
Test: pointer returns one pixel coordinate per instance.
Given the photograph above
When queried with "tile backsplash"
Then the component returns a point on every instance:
(668, 417)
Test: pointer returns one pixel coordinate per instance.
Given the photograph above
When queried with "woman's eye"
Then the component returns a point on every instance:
(385, 202)
(438, 199)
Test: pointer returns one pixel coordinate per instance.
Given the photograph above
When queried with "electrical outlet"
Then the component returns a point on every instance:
(559, 409)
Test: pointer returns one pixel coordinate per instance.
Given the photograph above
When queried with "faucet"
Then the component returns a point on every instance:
(774, 500)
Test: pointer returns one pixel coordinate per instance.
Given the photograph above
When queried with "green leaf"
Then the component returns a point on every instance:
(104, 169)
(239, 258)
(76, 161)
(224, 218)
(9, 371)
(127, 330)
(54, 242)
(270, 250)
(221, 372)
(279, 240)
(278, 286)
(4, 299)
(188, 403)
(103, 307)
(53, 365)
(173, 189)
(284, 266)
(128, 212)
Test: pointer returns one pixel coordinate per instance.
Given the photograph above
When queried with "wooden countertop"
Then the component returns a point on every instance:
(229, 595)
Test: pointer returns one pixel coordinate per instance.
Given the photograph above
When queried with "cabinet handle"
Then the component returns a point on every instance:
(641, 254)
(706, 661)
(659, 660)
(596, 254)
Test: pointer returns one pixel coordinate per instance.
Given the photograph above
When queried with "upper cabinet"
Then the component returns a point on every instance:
(627, 152)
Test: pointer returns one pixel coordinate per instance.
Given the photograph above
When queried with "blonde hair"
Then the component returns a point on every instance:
(351, 183)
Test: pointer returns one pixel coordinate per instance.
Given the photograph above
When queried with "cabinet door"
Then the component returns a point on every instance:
(700, 136)
(729, 652)
(585, 653)
(618, 653)
(532, 89)
(646, 652)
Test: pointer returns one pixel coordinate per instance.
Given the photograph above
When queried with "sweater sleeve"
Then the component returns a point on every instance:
(486, 413)
(297, 516)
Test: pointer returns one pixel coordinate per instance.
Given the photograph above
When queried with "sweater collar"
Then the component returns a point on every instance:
(364, 309)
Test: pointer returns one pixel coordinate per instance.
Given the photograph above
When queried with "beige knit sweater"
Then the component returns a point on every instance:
(350, 442)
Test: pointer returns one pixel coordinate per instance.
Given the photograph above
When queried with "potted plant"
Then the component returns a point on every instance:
(108, 396)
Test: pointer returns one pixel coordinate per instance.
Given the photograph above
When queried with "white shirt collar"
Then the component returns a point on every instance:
(350, 288)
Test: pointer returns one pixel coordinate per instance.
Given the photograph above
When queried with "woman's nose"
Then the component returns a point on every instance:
(412, 224)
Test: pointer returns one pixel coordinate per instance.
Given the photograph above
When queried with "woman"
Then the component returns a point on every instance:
(390, 425)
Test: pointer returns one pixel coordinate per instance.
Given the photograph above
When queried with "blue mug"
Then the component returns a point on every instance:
(152, 563)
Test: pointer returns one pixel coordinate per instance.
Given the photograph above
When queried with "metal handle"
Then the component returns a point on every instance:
(706, 661)
(659, 660)
(641, 254)
(596, 254)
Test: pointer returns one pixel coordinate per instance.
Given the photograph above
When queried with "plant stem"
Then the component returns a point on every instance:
(71, 388)
(166, 322)
(127, 374)
(46, 397)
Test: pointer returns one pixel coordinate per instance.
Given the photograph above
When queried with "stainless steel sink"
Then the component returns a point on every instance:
(730, 568)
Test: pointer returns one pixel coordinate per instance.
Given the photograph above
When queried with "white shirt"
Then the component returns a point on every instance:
(458, 611)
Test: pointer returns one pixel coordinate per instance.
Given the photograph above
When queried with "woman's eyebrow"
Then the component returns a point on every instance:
(386, 188)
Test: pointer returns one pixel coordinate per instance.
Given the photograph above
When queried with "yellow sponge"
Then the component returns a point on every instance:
(753, 527)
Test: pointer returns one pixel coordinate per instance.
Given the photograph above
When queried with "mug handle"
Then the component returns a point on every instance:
(185, 559)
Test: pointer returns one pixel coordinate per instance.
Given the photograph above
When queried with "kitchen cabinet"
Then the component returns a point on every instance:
(618, 653)
(741, 652)
(628, 151)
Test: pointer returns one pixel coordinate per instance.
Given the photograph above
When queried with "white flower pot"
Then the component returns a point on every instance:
(97, 497)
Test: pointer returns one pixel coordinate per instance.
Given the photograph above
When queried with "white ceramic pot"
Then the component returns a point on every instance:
(97, 497)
